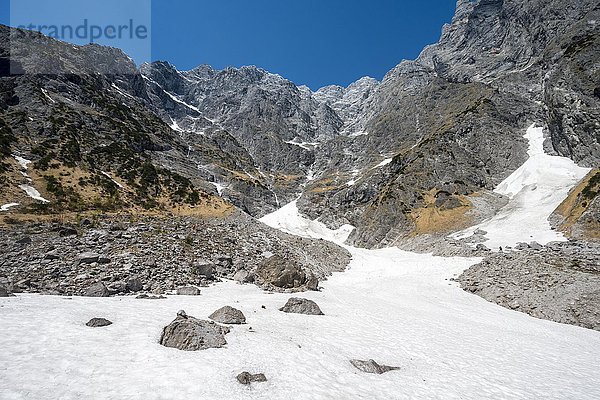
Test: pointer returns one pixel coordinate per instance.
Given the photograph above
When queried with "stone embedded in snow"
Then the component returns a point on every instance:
(188, 291)
(371, 367)
(285, 274)
(98, 323)
(191, 334)
(246, 378)
(301, 306)
(228, 315)
(97, 290)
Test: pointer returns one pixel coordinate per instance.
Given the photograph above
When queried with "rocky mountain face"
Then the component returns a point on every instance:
(451, 122)
(416, 154)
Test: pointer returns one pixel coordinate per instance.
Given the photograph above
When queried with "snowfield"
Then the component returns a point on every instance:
(396, 307)
(534, 190)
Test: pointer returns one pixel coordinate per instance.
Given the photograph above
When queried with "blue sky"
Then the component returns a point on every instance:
(312, 42)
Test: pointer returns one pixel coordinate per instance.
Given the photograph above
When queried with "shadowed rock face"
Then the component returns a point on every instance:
(191, 334)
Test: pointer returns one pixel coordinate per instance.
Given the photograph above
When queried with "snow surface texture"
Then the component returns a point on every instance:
(534, 190)
(392, 306)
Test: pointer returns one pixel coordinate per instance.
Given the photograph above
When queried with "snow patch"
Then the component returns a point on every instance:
(384, 163)
(23, 162)
(220, 188)
(33, 193)
(8, 206)
(305, 145)
(289, 220)
(106, 174)
(534, 190)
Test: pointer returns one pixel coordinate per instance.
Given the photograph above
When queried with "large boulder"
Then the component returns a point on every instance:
(98, 323)
(285, 274)
(301, 306)
(371, 367)
(228, 315)
(97, 290)
(191, 334)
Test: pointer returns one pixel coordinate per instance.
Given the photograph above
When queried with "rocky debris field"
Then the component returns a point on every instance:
(559, 282)
(124, 255)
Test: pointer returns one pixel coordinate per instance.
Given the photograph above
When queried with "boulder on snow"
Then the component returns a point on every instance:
(371, 367)
(188, 291)
(301, 306)
(191, 334)
(228, 315)
(246, 378)
(285, 274)
(97, 290)
(98, 323)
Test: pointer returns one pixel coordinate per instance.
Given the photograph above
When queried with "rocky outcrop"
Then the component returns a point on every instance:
(154, 255)
(228, 315)
(579, 215)
(191, 334)
(301, 306)
(558, 282)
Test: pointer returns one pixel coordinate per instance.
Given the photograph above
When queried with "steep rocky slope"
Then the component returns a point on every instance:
(418, 153)
(450, 123)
